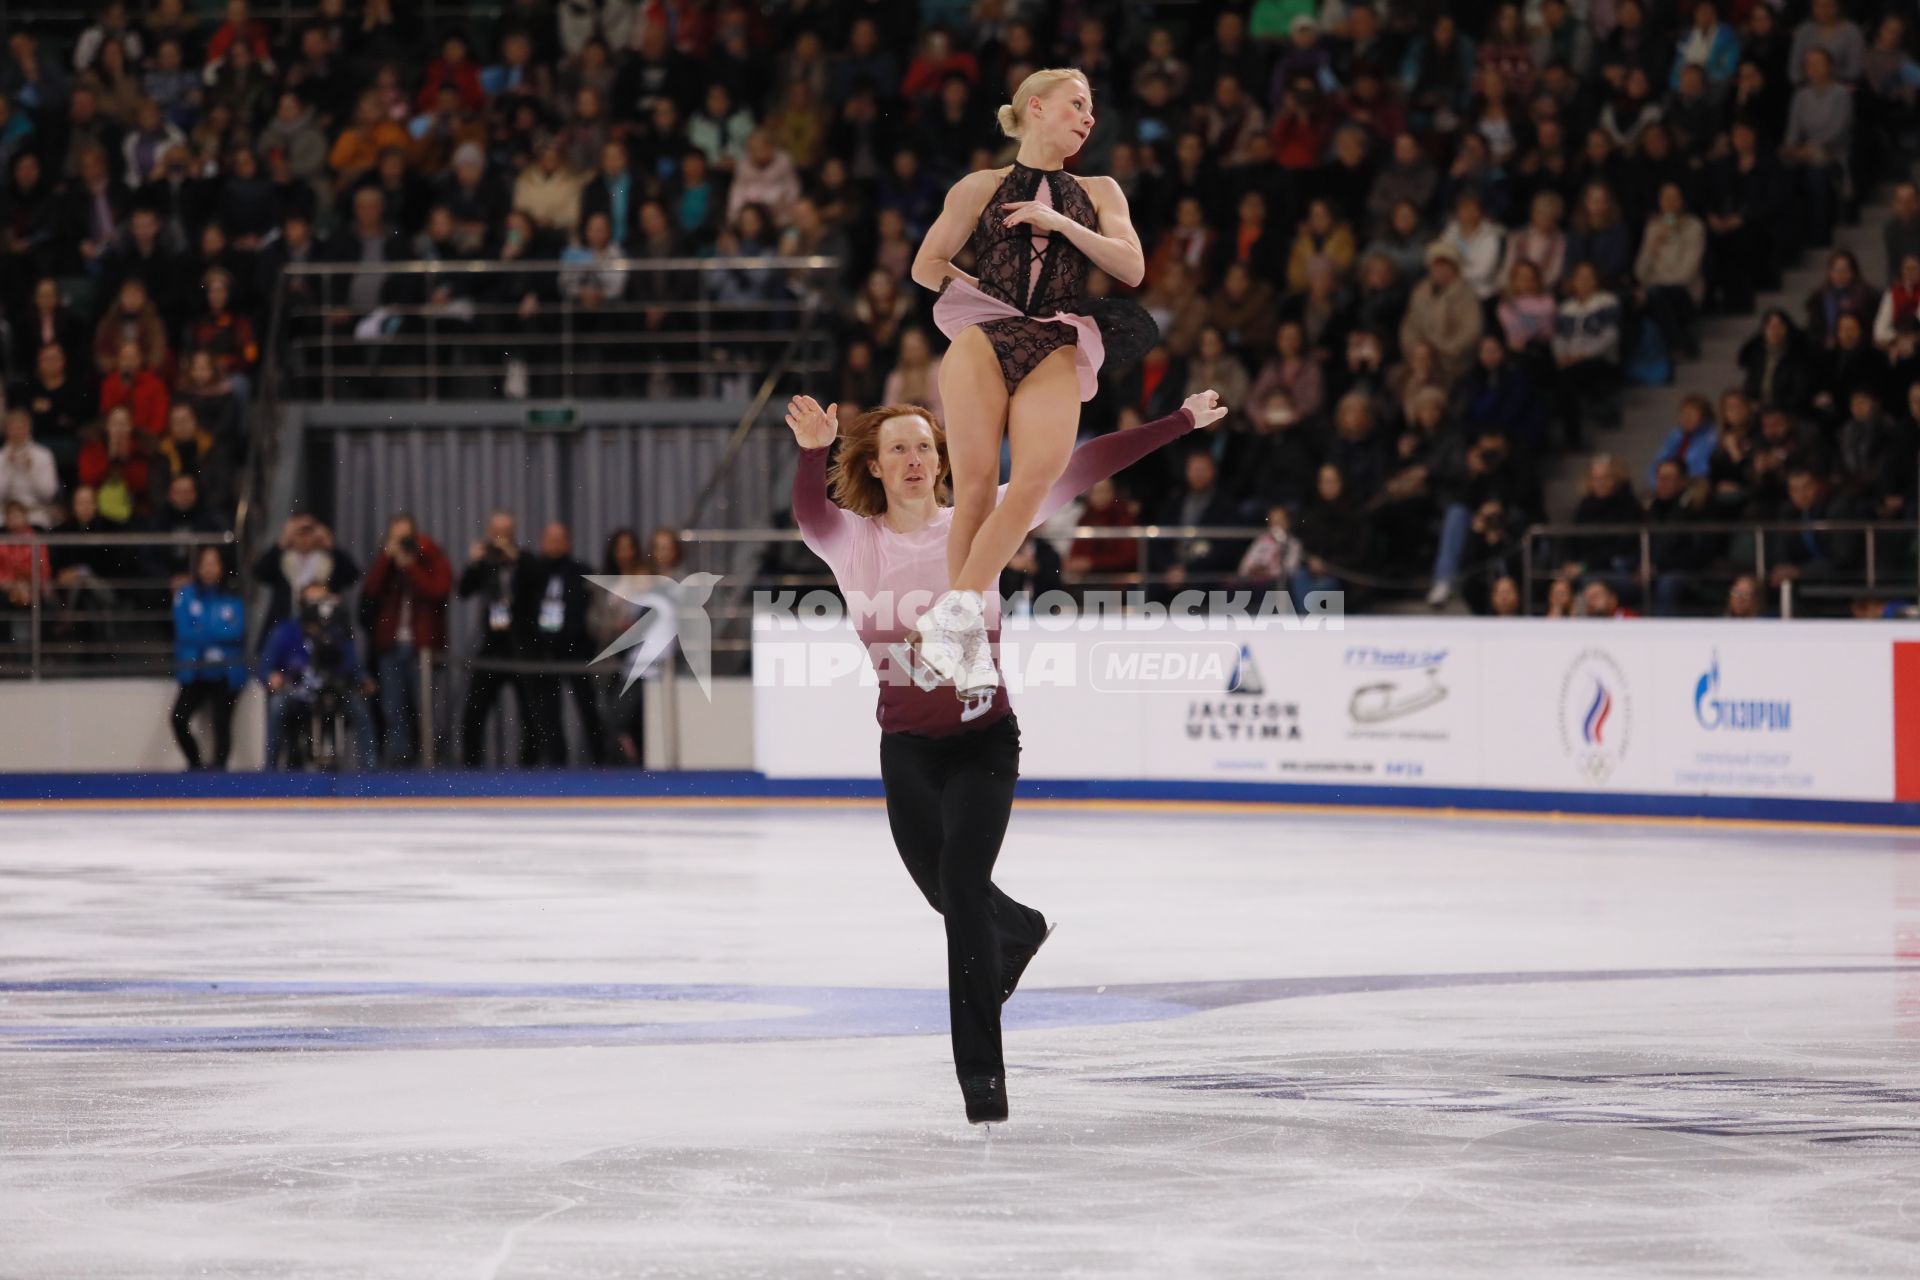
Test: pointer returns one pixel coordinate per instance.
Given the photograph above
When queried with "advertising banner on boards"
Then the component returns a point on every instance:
(1801, 709)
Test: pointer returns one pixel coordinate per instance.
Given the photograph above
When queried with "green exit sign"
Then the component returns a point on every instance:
(553, 418)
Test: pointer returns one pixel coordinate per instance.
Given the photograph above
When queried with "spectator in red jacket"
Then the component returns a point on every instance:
(454, 68)
(239, 27)
(139, 388)
(403, 604)
(116, 465)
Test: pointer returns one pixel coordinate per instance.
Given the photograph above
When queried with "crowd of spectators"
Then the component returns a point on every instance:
(1416, 247)
(370, 648)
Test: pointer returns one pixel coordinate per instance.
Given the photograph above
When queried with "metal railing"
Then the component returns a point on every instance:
(1884, 549)
(86, 623)
(550, 329)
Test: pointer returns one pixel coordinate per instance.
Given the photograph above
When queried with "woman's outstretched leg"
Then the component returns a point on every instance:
(973, 393)
(1043, 418)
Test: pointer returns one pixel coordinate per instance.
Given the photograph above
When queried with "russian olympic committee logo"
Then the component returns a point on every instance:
(1596, 714)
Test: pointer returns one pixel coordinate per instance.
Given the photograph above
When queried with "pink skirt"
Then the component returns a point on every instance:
(961, 306)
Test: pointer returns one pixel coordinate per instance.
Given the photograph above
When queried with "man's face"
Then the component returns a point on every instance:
(1669, 482)
(500, 530)
(1803, 491)
(555, 542)
(19, 429)
(182, 494)
(1199, 472)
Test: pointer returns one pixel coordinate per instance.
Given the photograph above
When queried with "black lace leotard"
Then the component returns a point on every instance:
(1041, 275)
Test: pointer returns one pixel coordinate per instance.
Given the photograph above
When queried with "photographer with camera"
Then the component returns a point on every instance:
(403, 605)
(311, 667)
(491, 573)
(553, 597)
(303, 554)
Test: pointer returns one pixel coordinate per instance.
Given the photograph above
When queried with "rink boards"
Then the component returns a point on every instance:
(1792, 710)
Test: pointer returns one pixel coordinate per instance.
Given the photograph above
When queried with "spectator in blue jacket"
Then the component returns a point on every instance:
(306, 654)
(1691, 444)
(209, 656)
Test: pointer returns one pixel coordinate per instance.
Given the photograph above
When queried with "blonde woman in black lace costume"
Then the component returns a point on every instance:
(1028, 344)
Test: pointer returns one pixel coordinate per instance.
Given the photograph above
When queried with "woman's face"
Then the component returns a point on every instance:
(914, 351)
(1211, 345)
(209, 568)
(1100, 497)
(1775, 331)
(1689, 414)
(908, 460)
(1289, 341)
(1506, 598)
(1526, 278)
(1328, 484)
(1491, 353)
(1840, 272)
(626, 552)
(1406, 219)
(666, 550)
(217, 294)
(1061, 118)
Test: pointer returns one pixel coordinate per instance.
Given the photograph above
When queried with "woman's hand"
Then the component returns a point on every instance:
(1043, 218)
(813, 427)
(1205, 407)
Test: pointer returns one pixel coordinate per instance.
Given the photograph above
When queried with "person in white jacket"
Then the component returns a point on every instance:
(1586, 346)
(1478, 240)
(27, 474)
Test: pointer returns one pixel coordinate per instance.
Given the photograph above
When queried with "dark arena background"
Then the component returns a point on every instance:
(441, 817)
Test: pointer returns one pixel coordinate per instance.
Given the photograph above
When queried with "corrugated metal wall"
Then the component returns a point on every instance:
(594, 480)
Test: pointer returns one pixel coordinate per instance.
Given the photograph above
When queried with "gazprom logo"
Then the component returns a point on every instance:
(1737, 715)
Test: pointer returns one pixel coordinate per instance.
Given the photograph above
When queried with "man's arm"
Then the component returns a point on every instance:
(1105, 455)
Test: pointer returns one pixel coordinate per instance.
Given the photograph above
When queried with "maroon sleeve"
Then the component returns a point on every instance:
(1108, 454)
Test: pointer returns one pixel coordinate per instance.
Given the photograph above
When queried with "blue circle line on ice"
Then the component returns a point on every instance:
(820, 1013)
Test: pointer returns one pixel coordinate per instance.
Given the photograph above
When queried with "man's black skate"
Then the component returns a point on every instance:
(1016, 963)
(986, 1099)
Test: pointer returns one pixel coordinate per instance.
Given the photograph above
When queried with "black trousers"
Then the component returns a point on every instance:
(541, 705)
(219, 697)
(948, 801)
(483, 690)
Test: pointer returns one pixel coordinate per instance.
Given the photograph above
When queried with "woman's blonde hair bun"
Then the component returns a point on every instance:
(1012, 115)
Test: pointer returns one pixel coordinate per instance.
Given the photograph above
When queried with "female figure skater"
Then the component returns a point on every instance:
(1028, 344)
(948, 767)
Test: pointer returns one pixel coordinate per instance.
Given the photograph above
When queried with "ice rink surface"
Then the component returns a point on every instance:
(645, 1041)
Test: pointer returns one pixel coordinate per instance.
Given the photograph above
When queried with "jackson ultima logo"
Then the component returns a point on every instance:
(1596, 715)
(1245, 714)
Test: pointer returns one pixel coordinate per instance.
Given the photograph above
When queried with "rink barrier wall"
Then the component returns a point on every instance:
(722, 789)
(1642, 716)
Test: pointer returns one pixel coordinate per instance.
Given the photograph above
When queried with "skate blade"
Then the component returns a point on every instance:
(924, 677)
(916, 640)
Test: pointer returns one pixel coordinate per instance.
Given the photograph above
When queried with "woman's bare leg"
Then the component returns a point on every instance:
(1043, 418)
(973, 392)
